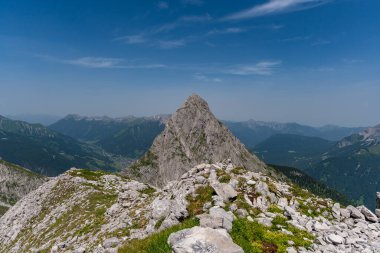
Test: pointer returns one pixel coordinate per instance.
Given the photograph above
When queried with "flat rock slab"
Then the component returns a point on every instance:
(225, 191)
(199, 240)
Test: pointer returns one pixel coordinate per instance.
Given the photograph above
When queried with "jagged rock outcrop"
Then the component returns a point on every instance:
(16, 182)
(192, 136)
(87, 211)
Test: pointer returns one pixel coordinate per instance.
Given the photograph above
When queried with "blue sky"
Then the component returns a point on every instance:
(309, 61)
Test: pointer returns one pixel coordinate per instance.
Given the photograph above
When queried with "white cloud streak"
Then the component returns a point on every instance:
(169, 44)
(230, 30)
(95, 62)
(275, 7)
(202, 77)
(108, 63)
(149, 37)
(264, 68)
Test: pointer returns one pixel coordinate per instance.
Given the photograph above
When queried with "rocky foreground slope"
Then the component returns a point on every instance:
(191, 136)
(211, 208)
(16, 182)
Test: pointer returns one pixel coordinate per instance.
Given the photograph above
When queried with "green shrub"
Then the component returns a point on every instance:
(203, 194)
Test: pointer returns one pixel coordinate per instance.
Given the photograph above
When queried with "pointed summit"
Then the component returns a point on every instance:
(192, 136)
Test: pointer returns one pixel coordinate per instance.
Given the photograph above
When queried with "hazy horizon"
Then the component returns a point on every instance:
(312, 62)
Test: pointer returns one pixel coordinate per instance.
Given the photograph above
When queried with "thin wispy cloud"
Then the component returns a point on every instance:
(133, 39)
(192, 2)
(275, 7)
(202, 77)
(320, 43)
(351, 61)
(229, 30)
(297, 38)
(325, 69)
(264, 68)
(95, 62)
(151, 37)
(196, 18)
(106, 63)
(163, 5)
(169, 44)
(181, 21)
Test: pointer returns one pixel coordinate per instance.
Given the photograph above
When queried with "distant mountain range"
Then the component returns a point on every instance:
(253, 132)
(129, 136)
(43, 150)
(293, 150)
(351, 165)
(339, 156)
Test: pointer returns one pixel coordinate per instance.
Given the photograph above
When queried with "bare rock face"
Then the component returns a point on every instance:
(16, 182)
(192, 136)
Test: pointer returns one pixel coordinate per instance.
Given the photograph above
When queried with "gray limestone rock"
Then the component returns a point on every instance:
(355, 213)
(225, 191)
(368, 214)
(199, 240)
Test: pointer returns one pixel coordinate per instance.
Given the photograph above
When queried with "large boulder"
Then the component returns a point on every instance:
(225, 191)
(218, 218)
(355, 213)
(198, 239)
(368, 214)
(335, 239)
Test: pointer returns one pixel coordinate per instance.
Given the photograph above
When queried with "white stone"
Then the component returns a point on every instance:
(198, 239)
(336, 239)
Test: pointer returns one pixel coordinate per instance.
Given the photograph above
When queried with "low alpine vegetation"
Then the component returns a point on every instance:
(156, 243)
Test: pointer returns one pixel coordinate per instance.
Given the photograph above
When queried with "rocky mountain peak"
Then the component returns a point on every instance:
(192, 135)
(196, 101)
(367, 137)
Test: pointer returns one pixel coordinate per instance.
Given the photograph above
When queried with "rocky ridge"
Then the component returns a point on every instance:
(16, 182)
(87, 211)
(191, 136)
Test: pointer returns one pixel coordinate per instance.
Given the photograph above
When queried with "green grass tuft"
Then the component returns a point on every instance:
(256, 238)
(156, 243)
(274, 209)
(238, 170)
(203, 194)
(223, 176)
(92, 175)
(148, 191)
(3, 210)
